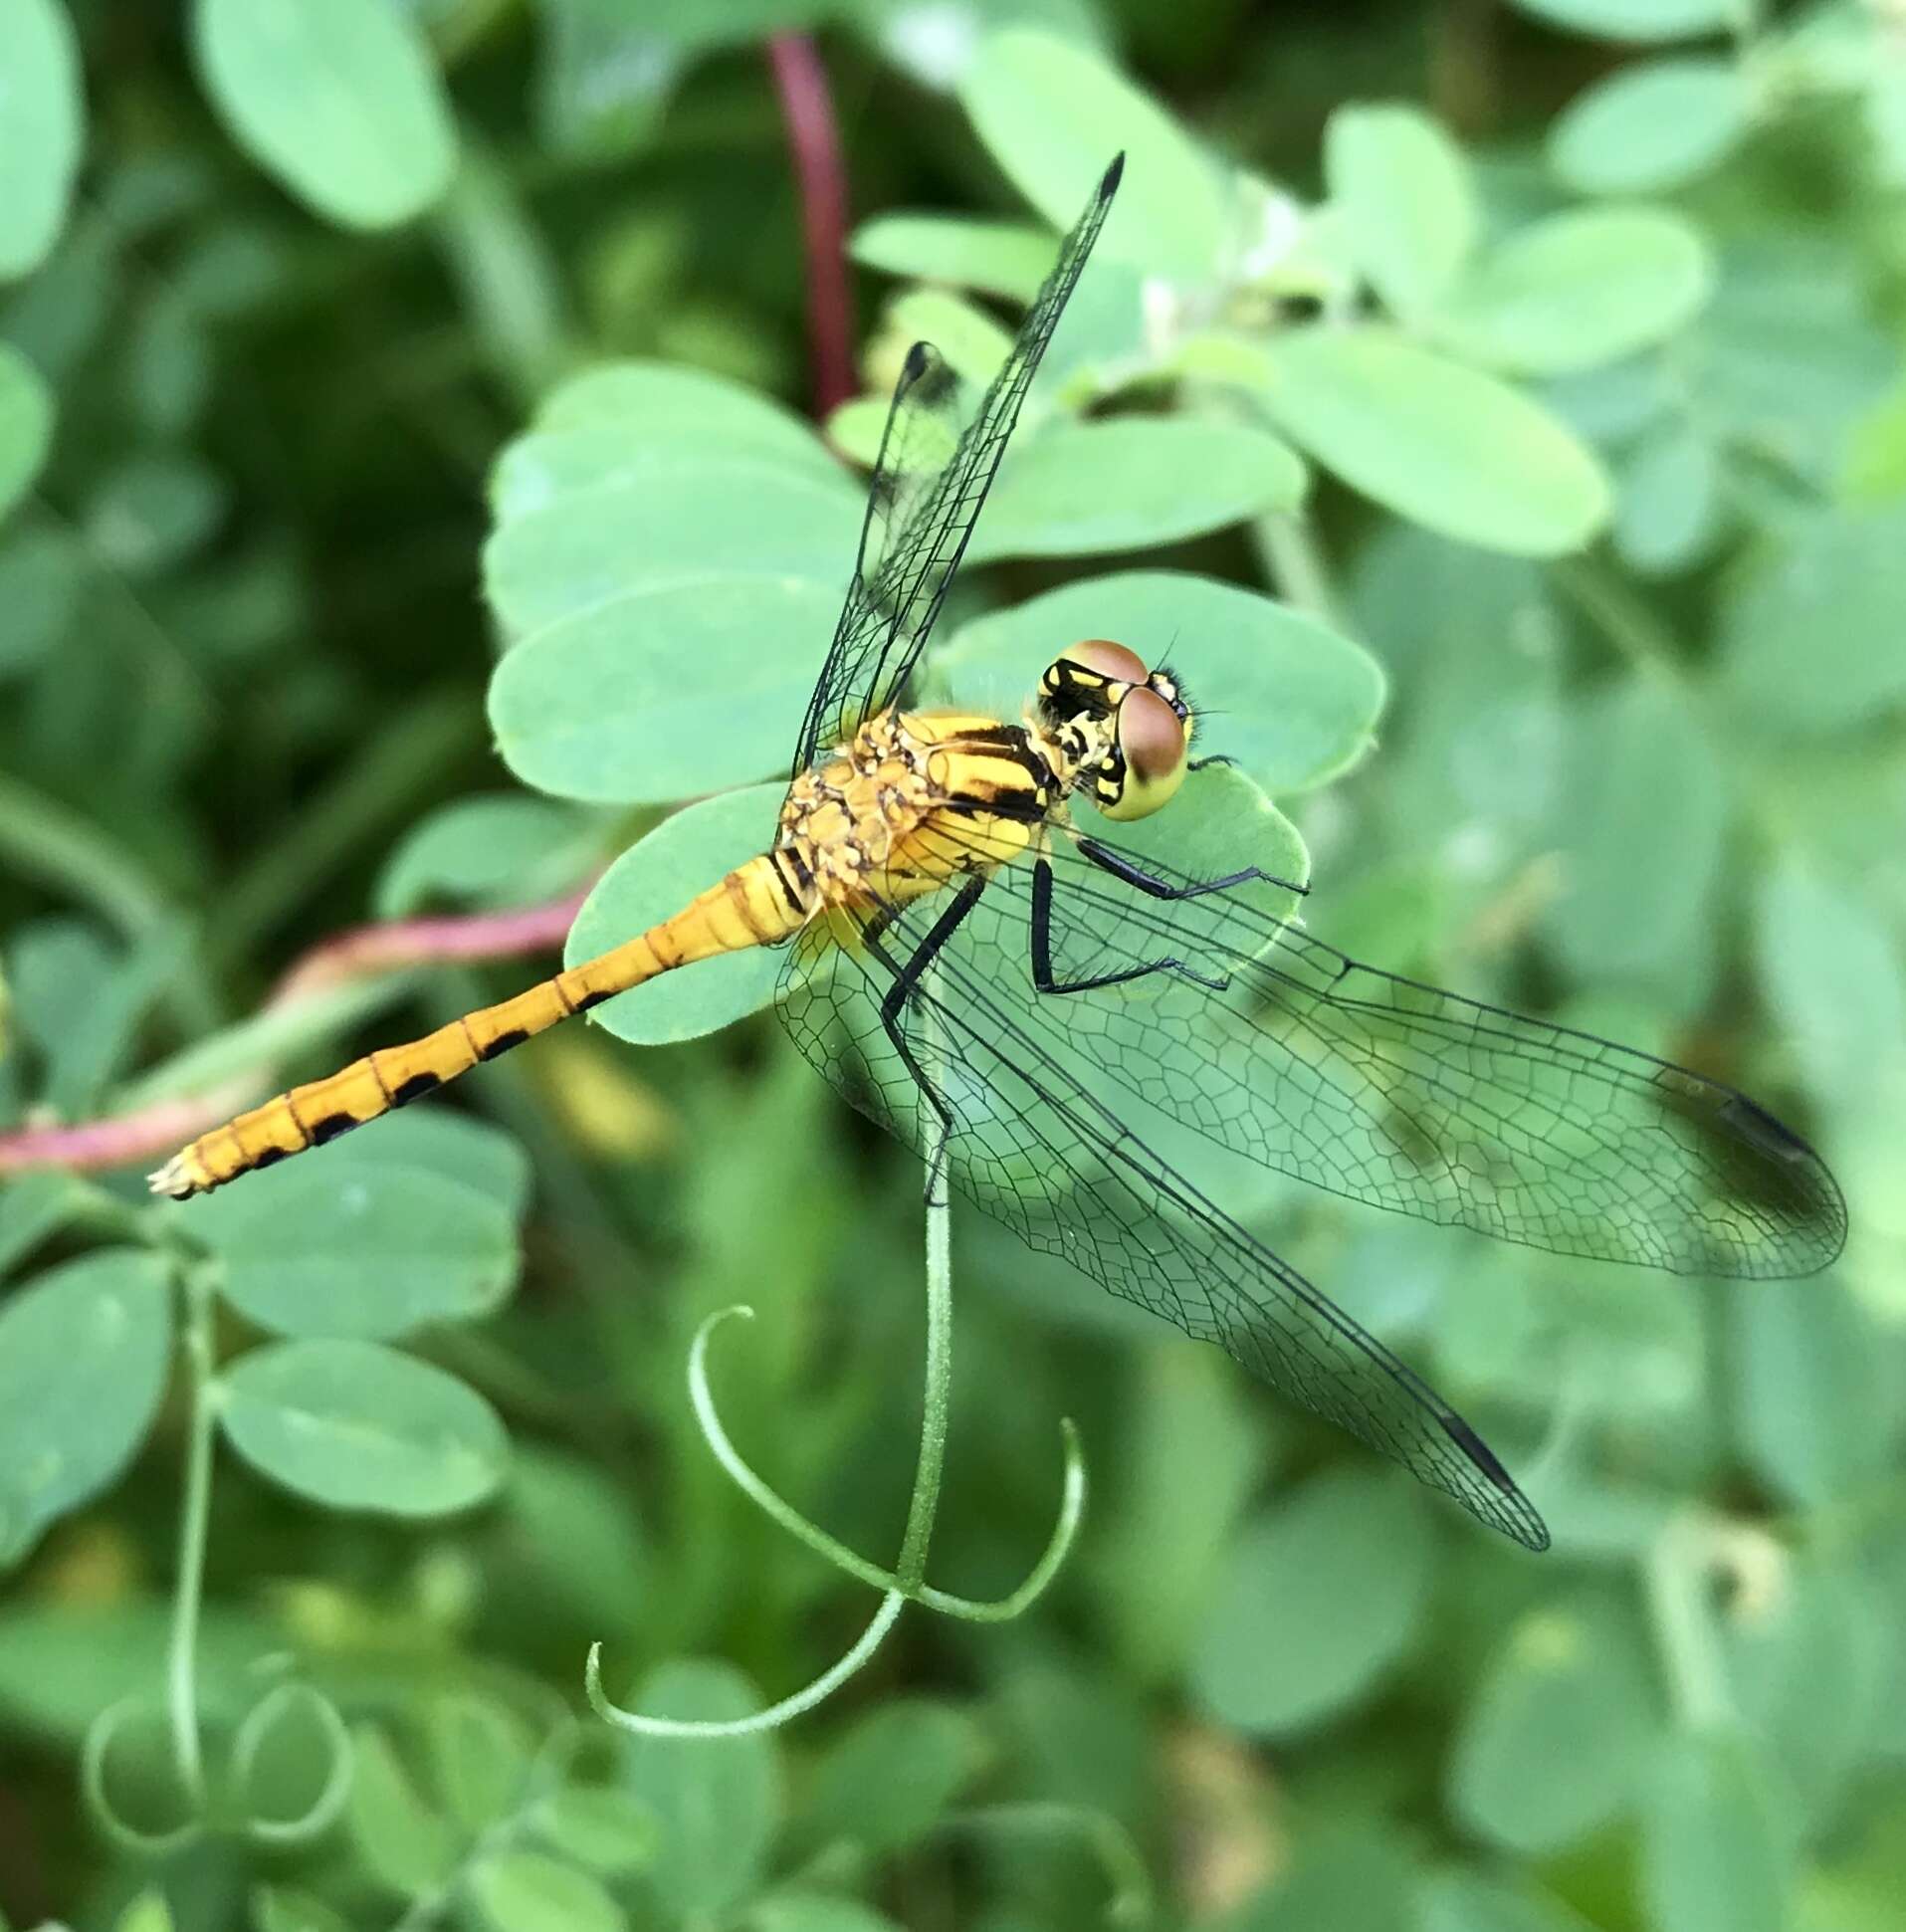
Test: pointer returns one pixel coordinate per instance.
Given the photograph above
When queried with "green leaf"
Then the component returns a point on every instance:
(1829, 963)
(497, 849)
(1053, 113)
(1874, 470)
(42, 578)
(571, 1541)
(889, 1781)
(670, 524)
(1809, 1670)
(1580, 289)
(1356, 1879)
(407, 1847)
(655, 878)
(1811, 1406)
(1293, 702)
(614, 423)
(527, 1892)
(353, 1425)
(615, 704)
(1641, 829)
(607, 1831)
(1131, 484)
(34, 1207)
(26, 425)
(458, 1146)
(276, 1908)
(1461, 1901)
(1790, 670)
(147, 1913)
(84, 1353)
(41, 113)
(1638, 20)
(817, 1912)
(999, 258)
(338, 99)
(361, 1247)
(974, 344)
(1577, 1668)
(1650, 127)
(154, 509)
(718, 1799)
(1443, 445)
(481, 1754)
(1669, 509)
(1322, 1593)
(1401, 189)
(1715, 1839)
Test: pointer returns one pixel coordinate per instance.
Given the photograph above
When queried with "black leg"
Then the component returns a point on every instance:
(907, 976)
(1121, 867)
(1042, 975)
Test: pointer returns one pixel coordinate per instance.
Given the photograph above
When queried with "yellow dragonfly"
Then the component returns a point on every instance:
(957, 947)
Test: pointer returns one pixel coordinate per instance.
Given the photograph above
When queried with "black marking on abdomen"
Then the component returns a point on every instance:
(414, 1088)
(331, 1126)
(590, 1000)
(512, 1036)
(268, 1159)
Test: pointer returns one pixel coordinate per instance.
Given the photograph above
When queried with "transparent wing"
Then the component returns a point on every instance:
(1393, 1093)
(926, 489)
(1039, 1153)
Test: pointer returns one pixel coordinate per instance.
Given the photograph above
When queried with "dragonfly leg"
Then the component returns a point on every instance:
(1047, 982)
(1121, 867)
(907, 976)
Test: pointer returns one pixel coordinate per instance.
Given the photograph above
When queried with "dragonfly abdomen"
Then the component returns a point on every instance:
(747, 908)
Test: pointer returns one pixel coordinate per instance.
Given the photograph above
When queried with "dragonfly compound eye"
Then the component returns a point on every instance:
(1090, 678)
(1152, 748)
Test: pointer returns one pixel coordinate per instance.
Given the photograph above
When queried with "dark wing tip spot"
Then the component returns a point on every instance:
(1478, 1451)
(918, 360)
(1108, 185)
(1755, 1124)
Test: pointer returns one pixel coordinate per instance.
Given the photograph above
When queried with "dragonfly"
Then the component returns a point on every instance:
(969, 965)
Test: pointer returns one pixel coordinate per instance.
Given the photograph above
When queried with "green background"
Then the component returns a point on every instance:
(412, 498)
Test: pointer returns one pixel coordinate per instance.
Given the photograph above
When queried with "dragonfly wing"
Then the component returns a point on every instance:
(1394, 1093)
(1033, 1149)
(926, 491)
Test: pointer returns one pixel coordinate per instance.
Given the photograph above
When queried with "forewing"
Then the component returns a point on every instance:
(1040, 1154)
(1394, 1093)
(927, 487)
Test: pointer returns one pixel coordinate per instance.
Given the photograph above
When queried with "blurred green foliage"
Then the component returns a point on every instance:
(1538, 550)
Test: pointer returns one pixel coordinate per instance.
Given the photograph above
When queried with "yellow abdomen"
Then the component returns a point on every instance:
(752, 906)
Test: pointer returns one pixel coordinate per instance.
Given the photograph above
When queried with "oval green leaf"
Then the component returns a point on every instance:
(1001, 258)
(1641, 830)
(1578, 1670)
(1401, 189)
(1580, 289)
(1320, 1597)
(1717, 1838)
(528, 1891)
(1788, 669)
(1443, 445)
(1670, 509)
(359, 1247)
(608, 1831)
(26, 425)
(684, 517)
(1293, 702)
(353, 1425)
(665, 693)
(84, 1351)
(458, 1146)
(405, 1845)
(718, 1801)
(1638, 20)
(887, 1783)
(1651, 126)
(338, 99)
(1077, 488)
(497, 849)
(658, 876)
(41, 115)
(1462, 1901)
(1053, 113)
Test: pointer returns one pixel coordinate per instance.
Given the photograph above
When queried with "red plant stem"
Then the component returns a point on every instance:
(167, 1124)
(814, 140)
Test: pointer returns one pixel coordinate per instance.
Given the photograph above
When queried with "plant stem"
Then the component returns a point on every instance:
(194, 1516)
(1297, 567)
(814, 140)
(937, 1403)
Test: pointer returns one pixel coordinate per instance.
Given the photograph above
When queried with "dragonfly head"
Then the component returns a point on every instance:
(1126, 731)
